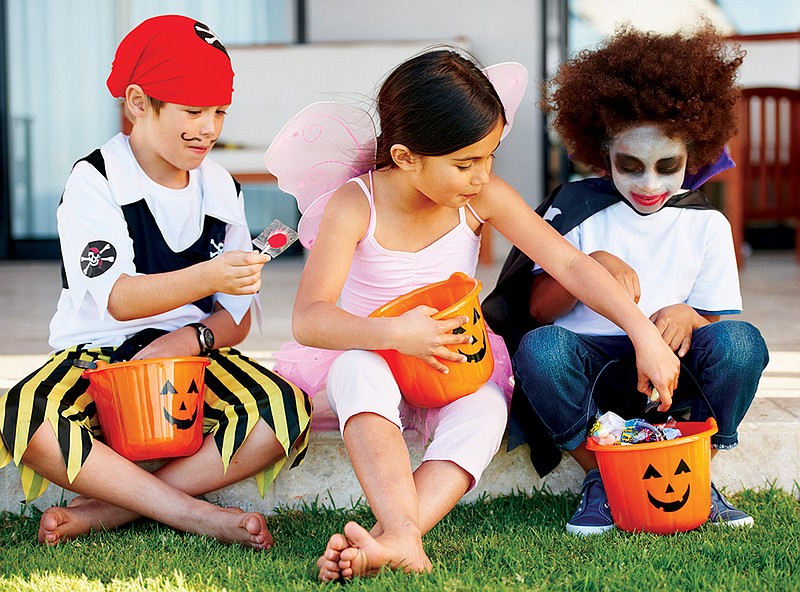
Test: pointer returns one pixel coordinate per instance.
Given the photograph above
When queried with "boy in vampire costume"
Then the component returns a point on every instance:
(653, 127)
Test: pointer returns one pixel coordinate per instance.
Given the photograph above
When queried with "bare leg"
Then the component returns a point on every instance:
(440, 485)
(584, 457)
(119, 491)
(380, 459)
(194, 475)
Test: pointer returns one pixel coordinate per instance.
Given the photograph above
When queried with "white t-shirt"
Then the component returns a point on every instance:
(90, 214)
(681, 255)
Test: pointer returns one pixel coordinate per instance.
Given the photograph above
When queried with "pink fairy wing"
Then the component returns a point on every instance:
(509, 80)
(316, 152)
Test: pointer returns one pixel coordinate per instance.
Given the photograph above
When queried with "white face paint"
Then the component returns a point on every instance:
(647, 167)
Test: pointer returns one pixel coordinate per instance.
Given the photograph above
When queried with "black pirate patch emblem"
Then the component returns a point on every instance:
(97, 258)
(206, 34)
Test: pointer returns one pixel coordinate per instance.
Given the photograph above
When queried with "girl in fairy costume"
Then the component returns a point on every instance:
(411, 216)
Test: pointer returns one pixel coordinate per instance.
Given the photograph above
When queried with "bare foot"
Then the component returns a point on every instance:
(328, 564)
(367, 555)
(59, 524)
(248, 529)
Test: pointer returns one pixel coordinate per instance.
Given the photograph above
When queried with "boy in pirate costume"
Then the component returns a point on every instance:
(650, 113)
(157, 262)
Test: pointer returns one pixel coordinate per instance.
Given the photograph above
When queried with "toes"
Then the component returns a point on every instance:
(328, 572)
(256, 526)
(331, 554)
(338, 542)
(356, 534)
(348, 555)
(48, 528)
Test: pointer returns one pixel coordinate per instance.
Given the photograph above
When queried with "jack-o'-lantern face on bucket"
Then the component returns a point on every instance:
(681, 477)
(478, 336)
(181, 410)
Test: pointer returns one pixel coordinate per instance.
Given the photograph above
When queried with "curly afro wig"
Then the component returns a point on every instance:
(683, 84)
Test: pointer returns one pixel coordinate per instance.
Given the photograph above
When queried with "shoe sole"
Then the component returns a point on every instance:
(735, 523)
(588, 530)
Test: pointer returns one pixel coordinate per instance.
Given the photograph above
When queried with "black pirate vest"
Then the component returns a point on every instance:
(151, 253)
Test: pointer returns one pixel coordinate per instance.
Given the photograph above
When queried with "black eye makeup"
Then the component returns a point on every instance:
(625, 163)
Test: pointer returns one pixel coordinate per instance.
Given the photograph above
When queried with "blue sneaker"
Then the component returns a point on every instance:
(593, 515)
(723, 513)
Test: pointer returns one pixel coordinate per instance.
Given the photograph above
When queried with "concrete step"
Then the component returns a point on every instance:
(767, 454)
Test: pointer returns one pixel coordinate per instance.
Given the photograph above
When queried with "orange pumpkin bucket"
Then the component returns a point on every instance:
(661, 487)
(420, 384)
(152, 408)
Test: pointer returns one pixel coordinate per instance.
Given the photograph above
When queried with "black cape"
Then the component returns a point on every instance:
(507, 307)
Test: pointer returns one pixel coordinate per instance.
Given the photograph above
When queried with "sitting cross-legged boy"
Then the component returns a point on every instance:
(643, 110)
(156, 263)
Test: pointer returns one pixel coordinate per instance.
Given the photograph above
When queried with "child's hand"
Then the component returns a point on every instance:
(622, 272)
(237, 272)
(676, 323)
(657, 368)
(426, 338)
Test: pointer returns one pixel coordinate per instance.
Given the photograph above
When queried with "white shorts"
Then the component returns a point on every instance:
(467, 432)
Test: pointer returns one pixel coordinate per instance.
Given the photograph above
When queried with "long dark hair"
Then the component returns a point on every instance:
(435, 103)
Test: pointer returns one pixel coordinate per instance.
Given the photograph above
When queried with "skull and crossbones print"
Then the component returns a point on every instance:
(97, 258)
(206, 34)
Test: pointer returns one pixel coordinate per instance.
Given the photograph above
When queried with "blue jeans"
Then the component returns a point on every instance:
(568, 377)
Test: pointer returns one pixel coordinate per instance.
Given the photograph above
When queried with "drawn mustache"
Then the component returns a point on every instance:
(185, 138)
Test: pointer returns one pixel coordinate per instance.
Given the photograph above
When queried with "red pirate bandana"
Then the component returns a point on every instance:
(175, 59)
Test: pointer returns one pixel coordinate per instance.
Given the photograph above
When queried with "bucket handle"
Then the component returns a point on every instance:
(84, 364)
(90, 366)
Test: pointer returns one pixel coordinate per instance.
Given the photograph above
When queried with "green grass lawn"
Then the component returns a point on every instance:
(511, 543)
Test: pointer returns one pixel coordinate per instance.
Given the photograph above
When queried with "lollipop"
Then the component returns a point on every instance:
(275, 239)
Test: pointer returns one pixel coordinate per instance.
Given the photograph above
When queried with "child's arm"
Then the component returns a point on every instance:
(183, 341)
(550, 301)
(317, 320)
(584, 278)
(232, 272)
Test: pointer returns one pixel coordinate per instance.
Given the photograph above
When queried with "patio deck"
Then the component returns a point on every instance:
(770, 434)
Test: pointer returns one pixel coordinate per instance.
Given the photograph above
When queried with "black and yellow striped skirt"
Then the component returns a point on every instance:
(238, 392)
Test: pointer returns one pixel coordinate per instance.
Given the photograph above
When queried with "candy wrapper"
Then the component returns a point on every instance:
(610, 429)
(607, 430)
(653, 401)
(275, 239)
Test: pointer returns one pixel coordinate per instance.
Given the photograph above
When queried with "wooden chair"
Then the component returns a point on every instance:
(765, 185)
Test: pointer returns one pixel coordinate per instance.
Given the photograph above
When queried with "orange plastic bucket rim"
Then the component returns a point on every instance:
(709, 431)
(138, 411)
(422, 385)
(102, 365)
(659, 487)
(444, 313)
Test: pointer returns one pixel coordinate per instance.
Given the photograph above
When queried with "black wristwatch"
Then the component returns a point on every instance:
(205, 337)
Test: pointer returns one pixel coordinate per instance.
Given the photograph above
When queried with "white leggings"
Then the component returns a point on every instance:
(467, 432)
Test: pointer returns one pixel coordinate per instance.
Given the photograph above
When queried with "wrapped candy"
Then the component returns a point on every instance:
(275, 239)
(653, 400)
(607, 430)
(638, 430)
(610, 429)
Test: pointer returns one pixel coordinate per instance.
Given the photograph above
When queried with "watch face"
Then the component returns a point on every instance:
(208, 338)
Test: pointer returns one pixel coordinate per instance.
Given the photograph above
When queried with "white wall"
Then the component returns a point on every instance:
(497, 30)
(771, 63)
